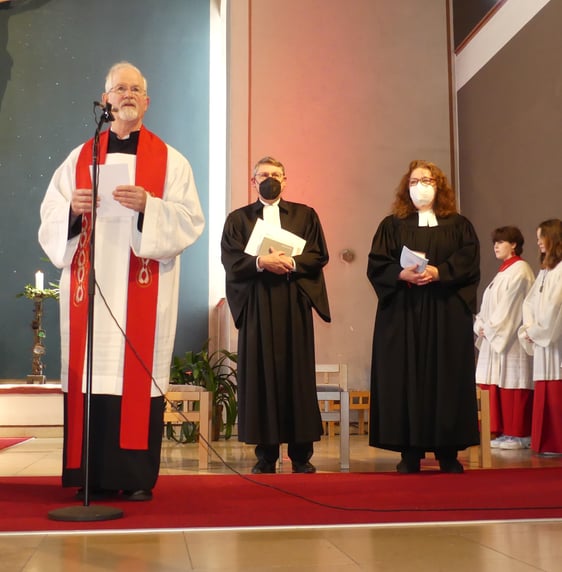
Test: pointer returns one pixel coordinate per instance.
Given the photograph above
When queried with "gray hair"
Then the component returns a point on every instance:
(118, 66)
(269, 161)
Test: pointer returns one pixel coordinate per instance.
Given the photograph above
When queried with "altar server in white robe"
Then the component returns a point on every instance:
(541, 336)
(504, 369)
(143, 224)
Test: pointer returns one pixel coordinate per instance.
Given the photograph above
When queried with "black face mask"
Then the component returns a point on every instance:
(270, 189)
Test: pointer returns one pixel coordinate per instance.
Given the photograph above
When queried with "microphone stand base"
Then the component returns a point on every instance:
(88, 513)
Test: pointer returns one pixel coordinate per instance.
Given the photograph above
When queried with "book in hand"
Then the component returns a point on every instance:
(269, 244)
(265, 235)
(412, 258)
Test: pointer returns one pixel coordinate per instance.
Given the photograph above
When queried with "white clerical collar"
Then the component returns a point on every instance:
(427, 218)
(271, 213)
(274, 204)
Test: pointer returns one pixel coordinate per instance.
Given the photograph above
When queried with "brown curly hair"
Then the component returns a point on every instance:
(551, 234)
(445, 202)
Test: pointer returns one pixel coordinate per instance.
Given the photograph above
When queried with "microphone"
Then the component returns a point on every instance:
(107, 109)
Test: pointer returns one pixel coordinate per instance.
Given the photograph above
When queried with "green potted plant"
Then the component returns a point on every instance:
(216, 373)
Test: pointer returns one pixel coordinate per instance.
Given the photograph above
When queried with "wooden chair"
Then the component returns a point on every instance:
(359, 401)
(482, 454)
(183, 397)
(331, 387)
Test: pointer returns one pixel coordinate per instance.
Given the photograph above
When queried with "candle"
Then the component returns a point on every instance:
(39, 282)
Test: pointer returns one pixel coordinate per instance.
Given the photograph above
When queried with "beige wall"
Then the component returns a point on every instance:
(345, 94)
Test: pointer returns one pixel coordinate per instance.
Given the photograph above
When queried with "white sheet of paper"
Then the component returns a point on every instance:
(110, 176)
(411, 258)
(263, 229)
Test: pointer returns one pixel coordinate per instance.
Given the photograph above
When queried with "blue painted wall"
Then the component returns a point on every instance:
(54, 55)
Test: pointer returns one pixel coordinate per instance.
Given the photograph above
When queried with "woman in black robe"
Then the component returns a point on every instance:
(422, 373)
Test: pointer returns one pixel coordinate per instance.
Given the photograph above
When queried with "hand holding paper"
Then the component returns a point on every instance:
(412, 258)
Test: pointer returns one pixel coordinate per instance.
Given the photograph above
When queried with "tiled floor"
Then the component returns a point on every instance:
(522, 546)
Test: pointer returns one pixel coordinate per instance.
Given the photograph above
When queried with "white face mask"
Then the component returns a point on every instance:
(422, 195)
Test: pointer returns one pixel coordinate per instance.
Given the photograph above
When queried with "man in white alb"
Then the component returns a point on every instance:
(142, 226)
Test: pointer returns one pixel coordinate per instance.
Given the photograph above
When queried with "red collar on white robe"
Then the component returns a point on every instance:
(507, 263)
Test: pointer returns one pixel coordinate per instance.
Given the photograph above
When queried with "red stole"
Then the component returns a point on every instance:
(507, 263)
(142, 296)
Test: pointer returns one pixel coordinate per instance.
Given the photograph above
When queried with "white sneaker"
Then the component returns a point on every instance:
(496, 443)
(526, 442)
(513, 443)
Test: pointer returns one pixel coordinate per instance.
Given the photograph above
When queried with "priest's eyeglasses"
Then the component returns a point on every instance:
(424, 181)
(263, 176)
(122, 89)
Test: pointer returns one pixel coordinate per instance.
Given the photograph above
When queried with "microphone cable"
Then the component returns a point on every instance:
(270, 486)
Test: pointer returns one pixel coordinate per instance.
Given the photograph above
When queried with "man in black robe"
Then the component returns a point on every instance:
(271, 296)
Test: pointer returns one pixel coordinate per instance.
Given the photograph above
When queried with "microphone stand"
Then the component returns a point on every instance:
(87, 512)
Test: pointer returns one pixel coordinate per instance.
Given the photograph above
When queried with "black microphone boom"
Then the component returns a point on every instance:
(107, 109)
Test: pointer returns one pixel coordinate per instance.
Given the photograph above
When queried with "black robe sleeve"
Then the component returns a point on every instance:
(461, 269)
(308, 272)
(383, 266)
(241, 270)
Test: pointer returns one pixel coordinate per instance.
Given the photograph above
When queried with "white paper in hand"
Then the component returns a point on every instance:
(112, 175)
(412, 258)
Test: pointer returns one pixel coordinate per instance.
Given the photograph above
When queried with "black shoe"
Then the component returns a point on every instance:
(140, 495)
(408, 466)
(263, 466)
(307, 467)
(450, 466)
(97, 494)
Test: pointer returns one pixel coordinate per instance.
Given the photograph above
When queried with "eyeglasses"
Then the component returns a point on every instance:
(278, 176)
(424, 181)
(120, 89)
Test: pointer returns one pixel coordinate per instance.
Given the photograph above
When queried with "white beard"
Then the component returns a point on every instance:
(128, 113)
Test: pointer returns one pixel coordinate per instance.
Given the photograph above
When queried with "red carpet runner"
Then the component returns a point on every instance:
(208, 501)
(6, 442)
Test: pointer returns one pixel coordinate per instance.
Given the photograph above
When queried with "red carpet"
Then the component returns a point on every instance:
(207, 501)
(6, 442)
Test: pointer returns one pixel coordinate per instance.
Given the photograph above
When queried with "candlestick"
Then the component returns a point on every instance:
(38, 350)
(39, 281)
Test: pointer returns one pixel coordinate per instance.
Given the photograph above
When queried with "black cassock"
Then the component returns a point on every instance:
(422, 371)
(277, 400)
